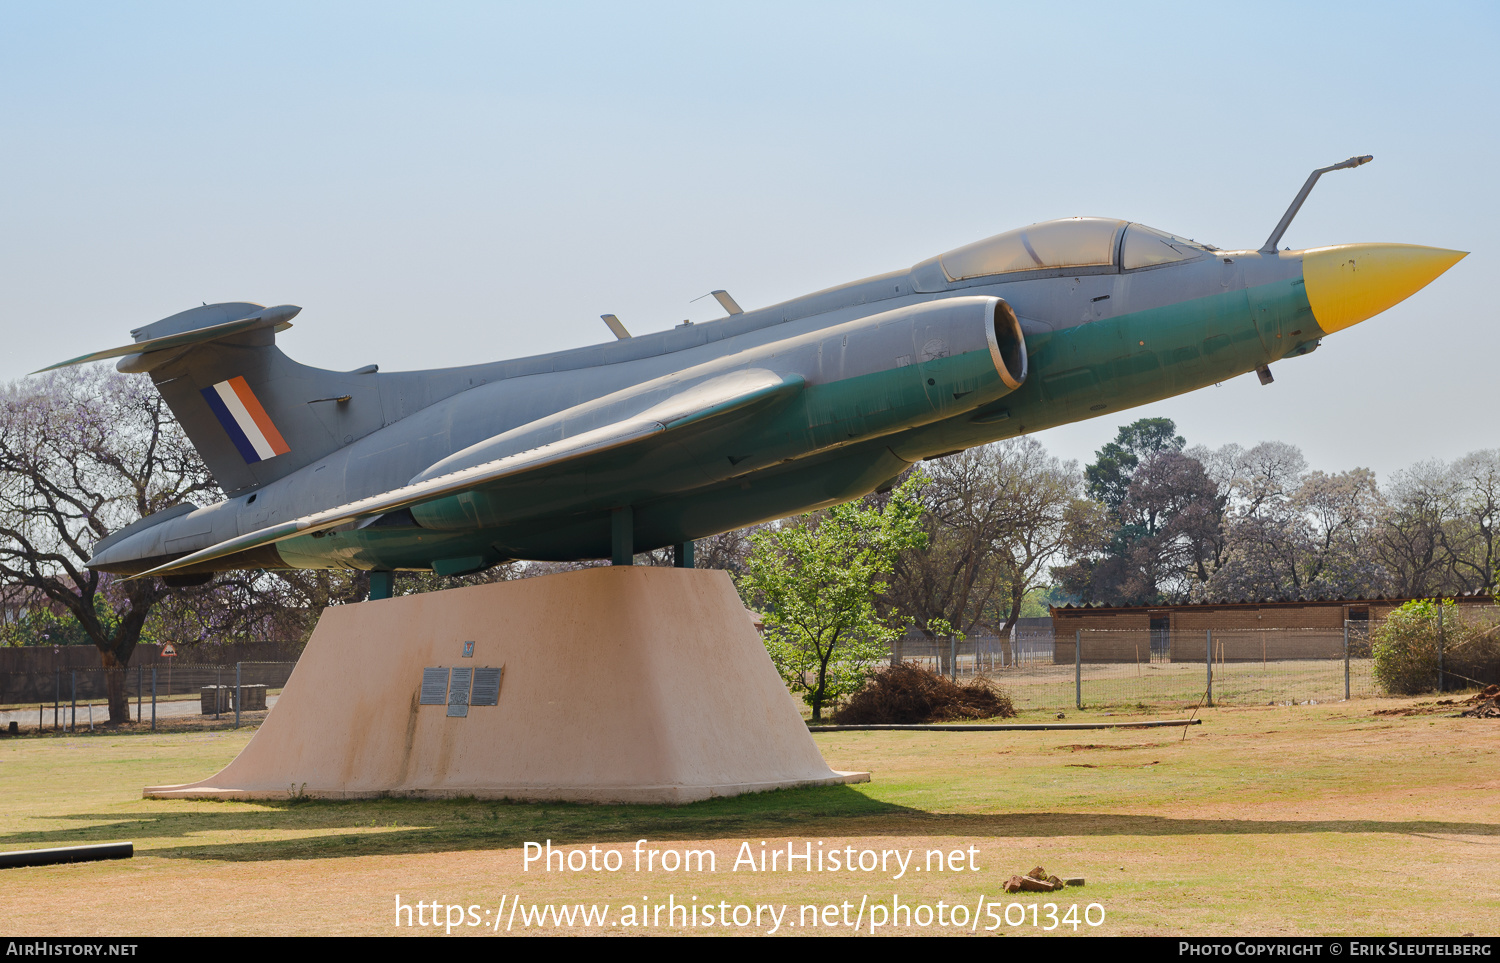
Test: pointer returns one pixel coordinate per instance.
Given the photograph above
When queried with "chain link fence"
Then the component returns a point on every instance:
(1155, 668)
(158, 697)
(1098, 668)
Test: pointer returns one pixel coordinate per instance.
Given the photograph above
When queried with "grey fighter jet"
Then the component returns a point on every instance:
(654, 441)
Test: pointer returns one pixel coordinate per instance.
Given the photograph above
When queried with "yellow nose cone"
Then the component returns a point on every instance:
(1351, 282)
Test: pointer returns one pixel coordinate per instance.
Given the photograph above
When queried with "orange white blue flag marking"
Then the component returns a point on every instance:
(245, 420)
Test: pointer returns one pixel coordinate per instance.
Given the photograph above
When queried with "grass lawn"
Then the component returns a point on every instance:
(1273, 820)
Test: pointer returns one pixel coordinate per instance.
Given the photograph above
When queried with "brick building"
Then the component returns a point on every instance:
(1270, 629)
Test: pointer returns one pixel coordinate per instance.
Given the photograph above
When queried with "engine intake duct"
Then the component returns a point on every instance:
(1007, 344)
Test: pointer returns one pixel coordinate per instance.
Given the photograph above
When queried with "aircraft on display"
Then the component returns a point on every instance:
(653, 441)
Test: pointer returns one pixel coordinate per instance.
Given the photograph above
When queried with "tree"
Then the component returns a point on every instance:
(1291, 532)
(953, 576)
(1089, 530)
(1163, 539)
(1174, 515)
(1421, 505)
(281, 605)
(1108, 478)
(728, 551)
(1339, 513)
(1437, 531)
(1264, 532)
(816, 578)
(1040, 493)
(1258, 524)
(1472, 539)
(83, 453)
(995, 517)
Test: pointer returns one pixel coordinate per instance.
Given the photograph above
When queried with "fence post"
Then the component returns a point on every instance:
(153, 698)
(137, 692)
(1440, 645)
(1078, 668)
(56, 695)
(1209, 695)
(73, 715)
(237, 694)
(1346, 660)
(952, 658)
(218, 688)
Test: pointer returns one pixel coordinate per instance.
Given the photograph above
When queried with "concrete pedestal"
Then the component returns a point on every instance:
(622, 684)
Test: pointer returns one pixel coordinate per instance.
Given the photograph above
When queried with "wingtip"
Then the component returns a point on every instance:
(54, 367)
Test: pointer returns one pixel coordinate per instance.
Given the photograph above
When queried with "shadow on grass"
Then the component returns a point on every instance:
(398, 827)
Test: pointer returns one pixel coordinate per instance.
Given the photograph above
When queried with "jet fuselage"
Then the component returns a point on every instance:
(877, 375)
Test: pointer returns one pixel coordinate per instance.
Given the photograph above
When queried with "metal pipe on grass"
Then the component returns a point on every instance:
(66, 854)
(1011, 727)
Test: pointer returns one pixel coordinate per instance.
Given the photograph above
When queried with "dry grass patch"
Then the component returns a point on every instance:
(1276, 820)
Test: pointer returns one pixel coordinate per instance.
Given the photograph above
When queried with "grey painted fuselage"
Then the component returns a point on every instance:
(1096, 340)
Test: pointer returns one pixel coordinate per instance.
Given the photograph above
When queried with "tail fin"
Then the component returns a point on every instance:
(254, 414)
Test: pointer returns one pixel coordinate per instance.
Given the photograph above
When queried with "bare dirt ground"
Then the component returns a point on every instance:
(1276, 820)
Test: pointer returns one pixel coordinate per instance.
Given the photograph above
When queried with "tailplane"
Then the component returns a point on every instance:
(254, 414)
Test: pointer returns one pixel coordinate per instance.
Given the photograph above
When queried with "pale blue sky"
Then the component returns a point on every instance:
(439, 184)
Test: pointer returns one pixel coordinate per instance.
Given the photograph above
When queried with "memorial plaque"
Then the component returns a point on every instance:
(458, 692)
(486, 687)
(434, 687)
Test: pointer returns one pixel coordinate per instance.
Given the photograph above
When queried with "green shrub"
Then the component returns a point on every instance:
(1405, 649)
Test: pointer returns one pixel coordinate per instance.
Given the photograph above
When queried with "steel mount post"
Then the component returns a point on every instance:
(1209, 694)
(1078, 668)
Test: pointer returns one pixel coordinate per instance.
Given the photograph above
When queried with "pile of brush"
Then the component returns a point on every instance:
(908, 694)
(1486, 704)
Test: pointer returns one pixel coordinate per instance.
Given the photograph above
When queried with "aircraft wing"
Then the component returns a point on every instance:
(699, 406)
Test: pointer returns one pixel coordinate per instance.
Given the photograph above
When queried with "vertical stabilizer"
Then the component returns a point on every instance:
(254, 414)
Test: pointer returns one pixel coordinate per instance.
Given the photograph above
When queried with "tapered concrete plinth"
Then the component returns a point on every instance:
(623, 684)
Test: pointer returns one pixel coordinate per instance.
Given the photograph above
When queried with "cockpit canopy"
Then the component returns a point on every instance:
(1070, 242)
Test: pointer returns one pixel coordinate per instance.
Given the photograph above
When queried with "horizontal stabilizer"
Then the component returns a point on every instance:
(698, 406)
(278, 317)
